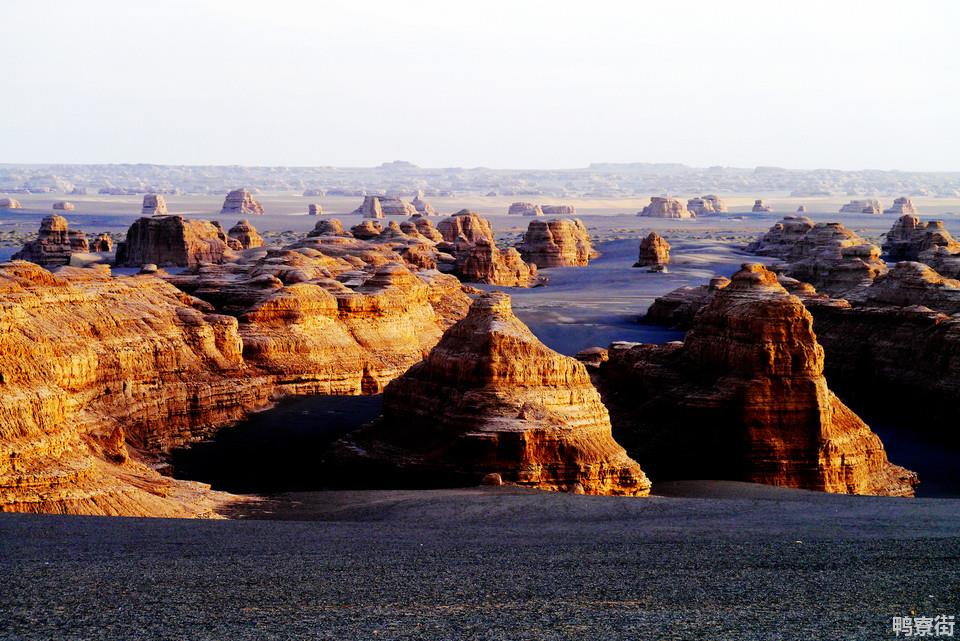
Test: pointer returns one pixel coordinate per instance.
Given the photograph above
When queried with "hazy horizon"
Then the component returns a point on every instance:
(530, 85)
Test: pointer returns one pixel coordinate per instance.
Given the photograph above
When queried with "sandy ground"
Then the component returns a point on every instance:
(741, 562)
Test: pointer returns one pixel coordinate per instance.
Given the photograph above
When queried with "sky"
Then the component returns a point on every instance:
(510, 84)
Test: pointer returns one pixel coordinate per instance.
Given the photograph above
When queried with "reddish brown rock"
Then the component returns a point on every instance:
(102, 243)
(423, 207)
(246, 234)
(676, 309)
(781, 238)
(654, 252)
(483, 262)
(366, 230)
(465, 226)
(55, 243)
(370, 208)
(744, 398)
(425, 228)
(666, 208)
(154, 204)
(558, 242)
(908, 284)
(909, 238)
(241, 202)
(330, 226)
(172, 240)
(491, 399)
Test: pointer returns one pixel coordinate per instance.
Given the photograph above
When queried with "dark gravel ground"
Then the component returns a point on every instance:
(711, 561)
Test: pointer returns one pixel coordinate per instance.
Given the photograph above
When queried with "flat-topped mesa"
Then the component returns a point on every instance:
(558, 210)
(423, 207)
(759, 207)
(246, 234)
(654, 252)
(55, 243)
(558, 242)
(706, 205)
(909, 238)
(901, 205)
(314, 209)
(744, 398)
(366, 230)
(242, 202)
(154, 205)
(465, 226)
(329, 226)
(484, 262)
(867, 206)
(172, 241)
(9, 203)
(524, 209)
(909, 284)
(781, 238)
(666, 208)
(490, 398)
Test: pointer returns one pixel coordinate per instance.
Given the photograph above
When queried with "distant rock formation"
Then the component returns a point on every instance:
(54, 244)
(102, 243)
(492, 399)
(902, 205)
(706, 205)
(313, 209)
(558, 210)
(378, 206)
(910, 284)
(465, 226)
(172, 241)
(744, 398)
(330, 226)
(666, 208)
(423, 207)
(781, 238)
(524, 209)
(654, 252)
(9, 203)
(241, 202)
(558, 242)
(63, 205)
(246, 234)
(909, 238)
(314, 193)
(869, 206)
(154, 204)
(759, 207)
(370, 208)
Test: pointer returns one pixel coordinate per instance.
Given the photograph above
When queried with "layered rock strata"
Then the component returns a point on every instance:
(492, 399)
(706, 205)
(154, 205)
(654, 252)
(902, 205)
(241, 202)
(173, 241)
(666, 208)
(558, 242)
(55, 243)
(246, 234)
(870, 206)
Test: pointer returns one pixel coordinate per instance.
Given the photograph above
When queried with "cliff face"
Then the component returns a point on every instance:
(491, 399)
(172, 240)
(744, 397)
(654, 252)
(558, 242)
(54, 244)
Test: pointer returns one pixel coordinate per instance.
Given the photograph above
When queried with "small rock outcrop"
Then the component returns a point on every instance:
(423, 207)
(241, 202)
(909, 238)
(314, 209)
(490, 398)
(910, 284)
(63, 205)
(654, 252)
(102, 243)
(172, 241)
(706, 205)
(744, 398)
(759, 207)
(781, 238)
(366, 230)
(370, 208)
(424, 227)
(55, 243)
(9, 203)
(330, 226)
(869, 206)
(902, 205)
(558, 210)
(558, 242)
(484, 262)
(465, 226)
(676, 309)
(524, 209)
(666, 208)
(154, 205)
(246, 234)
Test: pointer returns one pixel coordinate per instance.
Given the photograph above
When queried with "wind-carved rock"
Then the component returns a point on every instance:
(654, 252)
(909, 238)
(378, 206)
(781, 238)
(366, 230)
(908, 284)
(424, 227)
(469, 238)
(524, 209)
(9, 203)
(242, 202)
(102, 243)
(55, 243)
(759, 207)
(173, 241)
(744, 398)
(314, 209)
(902, 205)
(677, 309)
(706, 205)
(868, 206)
(666, 208)
(558, 242)
(154, 205)
(492, 399)
(330, 226)
(423, 207)
(465, 226)
(558, 210)
(246, 234)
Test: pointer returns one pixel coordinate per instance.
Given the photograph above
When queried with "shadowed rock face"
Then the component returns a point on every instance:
(911, 239)
(154, 204)
(423, 207)
(172, 240)
(242, 202)
(908, 284)
(486, 263)
(654, 251)
(314, 209)
(491, 398)
(9, 203)
(759, 207)
(744, 398)
(465, 226)
(666, 208)
(558, 242)
(246, 234)
(54, 244)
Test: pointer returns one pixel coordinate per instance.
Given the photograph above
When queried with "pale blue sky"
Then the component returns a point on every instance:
(840, 84)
